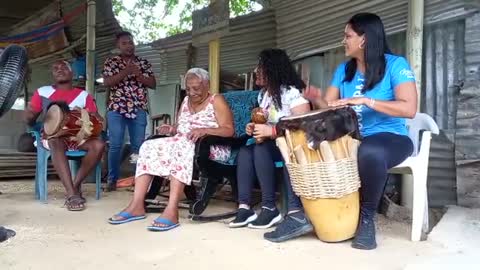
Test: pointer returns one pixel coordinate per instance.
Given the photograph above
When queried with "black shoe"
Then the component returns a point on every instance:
(294, 225)
(6, 233)
(365, 237)
(244, 217)
(266, 219)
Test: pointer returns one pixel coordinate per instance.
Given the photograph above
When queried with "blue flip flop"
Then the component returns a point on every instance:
(127, 218)
(164, 221)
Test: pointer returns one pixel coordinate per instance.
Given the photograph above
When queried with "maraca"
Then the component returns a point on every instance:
(259, 116)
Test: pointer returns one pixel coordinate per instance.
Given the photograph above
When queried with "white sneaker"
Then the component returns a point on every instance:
(133, 158)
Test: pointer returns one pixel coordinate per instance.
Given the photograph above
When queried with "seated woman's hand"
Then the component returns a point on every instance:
(165, 130)
(196, 134)
(262, 131)
(249, 128)
(312, 93)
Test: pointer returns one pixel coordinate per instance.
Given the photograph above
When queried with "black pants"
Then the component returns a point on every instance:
(257, 161)
(377, 154)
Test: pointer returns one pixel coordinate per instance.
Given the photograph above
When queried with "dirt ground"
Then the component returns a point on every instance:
(50, 237)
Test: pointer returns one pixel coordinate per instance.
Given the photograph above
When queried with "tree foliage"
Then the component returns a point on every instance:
(147, 26)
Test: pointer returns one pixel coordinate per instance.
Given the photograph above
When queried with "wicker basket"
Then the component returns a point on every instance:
(324, 179)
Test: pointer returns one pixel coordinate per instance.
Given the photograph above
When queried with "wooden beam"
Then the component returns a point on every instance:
(214, 65)
(415, 41)
(91, 10)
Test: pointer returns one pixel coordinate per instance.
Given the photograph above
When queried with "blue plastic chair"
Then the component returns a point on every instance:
(43, 154)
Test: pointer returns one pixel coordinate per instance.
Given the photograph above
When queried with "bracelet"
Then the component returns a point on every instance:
(372, 103)
(274, 132)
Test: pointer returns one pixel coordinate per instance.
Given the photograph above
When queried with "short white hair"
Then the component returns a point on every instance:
(200, 73)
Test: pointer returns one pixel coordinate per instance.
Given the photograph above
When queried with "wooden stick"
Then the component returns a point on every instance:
(353, 148)
(300, 155)
(282, 145)
(326, 151)
(288, 138)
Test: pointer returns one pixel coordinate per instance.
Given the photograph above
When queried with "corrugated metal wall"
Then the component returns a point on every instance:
(173, 57)
(239, 49)
(467, 135)
(444, 47)
(472, 41)
(305, 27)
(164, 98)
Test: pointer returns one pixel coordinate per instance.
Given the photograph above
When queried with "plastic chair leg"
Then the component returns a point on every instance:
(42, 170)
(74, 165)
(420, 211)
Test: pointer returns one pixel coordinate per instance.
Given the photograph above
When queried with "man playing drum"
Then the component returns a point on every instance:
(63, 91)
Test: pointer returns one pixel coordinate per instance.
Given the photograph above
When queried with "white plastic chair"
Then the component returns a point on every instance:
(417, 166)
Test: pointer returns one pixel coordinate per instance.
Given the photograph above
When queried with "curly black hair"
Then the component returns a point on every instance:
(278, 70)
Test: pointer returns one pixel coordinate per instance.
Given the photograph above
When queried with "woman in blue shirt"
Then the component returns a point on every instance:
(380, 87)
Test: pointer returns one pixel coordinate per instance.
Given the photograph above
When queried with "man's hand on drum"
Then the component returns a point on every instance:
(349, 101)
(262, 131)
(165, 130)
(249, 129)
(196, 134)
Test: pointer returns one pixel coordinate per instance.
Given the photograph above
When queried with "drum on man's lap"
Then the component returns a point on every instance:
(75, 125)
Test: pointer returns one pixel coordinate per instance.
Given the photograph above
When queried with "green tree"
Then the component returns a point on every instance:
(145, 24)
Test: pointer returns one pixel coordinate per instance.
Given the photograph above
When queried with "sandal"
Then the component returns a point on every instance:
(75, 203)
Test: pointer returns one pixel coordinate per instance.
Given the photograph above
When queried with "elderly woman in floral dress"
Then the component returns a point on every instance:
(201, 113)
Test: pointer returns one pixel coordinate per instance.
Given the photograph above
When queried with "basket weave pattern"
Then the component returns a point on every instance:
(324, 179)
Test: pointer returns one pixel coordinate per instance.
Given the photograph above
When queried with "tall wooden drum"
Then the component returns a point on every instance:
(320, 152)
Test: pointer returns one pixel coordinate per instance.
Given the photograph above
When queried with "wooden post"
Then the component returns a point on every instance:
(91, 10)
(214, 65)
(414, 57)
(415, 41)
(214, 62)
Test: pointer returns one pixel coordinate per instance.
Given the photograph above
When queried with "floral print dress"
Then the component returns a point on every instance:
(173, 156)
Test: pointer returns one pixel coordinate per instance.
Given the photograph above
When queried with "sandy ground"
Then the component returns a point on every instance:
(50, 237)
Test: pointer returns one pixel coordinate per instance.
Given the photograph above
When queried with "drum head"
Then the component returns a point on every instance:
(53, 120)
(310, 113)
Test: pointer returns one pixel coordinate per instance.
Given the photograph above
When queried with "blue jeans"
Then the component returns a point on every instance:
(116, 135)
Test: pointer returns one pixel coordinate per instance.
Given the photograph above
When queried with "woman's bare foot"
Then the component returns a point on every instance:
(170, 214)
(132, 210)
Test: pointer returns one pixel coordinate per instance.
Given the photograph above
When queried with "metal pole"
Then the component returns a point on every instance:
(415, 41)
(91, 10)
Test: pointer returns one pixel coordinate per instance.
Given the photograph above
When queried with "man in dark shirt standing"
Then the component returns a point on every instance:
(128, 77)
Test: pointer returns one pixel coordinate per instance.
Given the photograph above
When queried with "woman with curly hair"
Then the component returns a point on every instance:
(280, 96)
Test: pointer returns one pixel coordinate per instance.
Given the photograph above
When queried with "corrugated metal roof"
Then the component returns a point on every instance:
(239, 48)
(306, 27)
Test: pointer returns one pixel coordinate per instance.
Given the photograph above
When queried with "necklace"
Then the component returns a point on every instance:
(199, 104)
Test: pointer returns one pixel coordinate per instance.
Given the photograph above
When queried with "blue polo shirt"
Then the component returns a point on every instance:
(370, 121)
